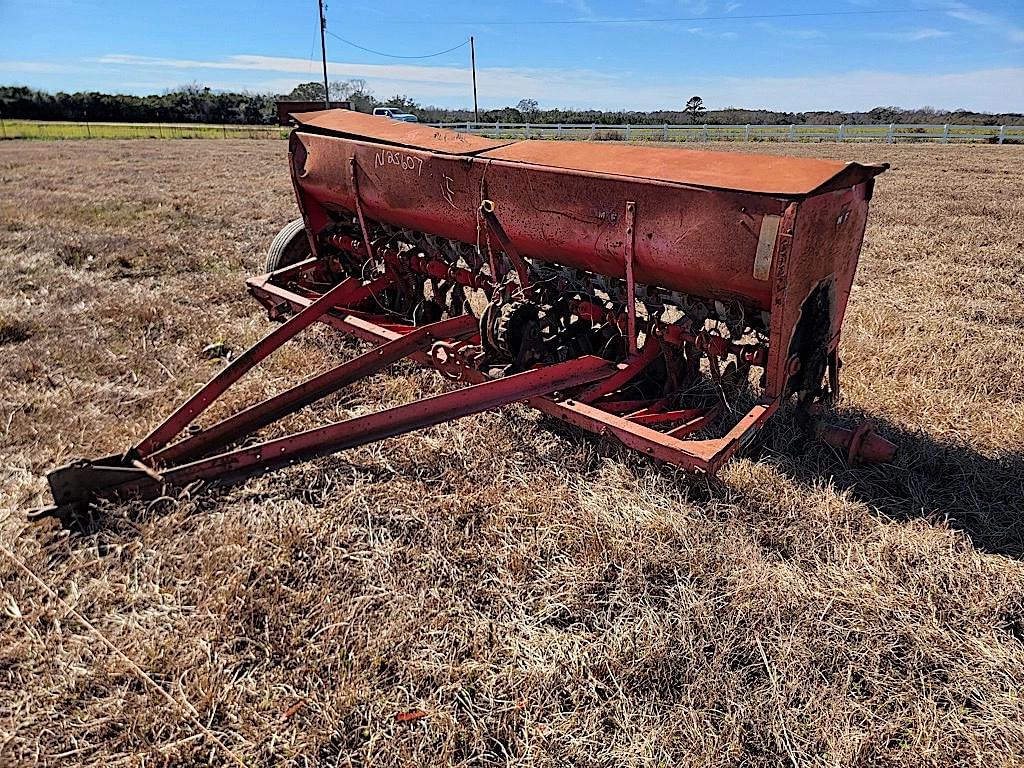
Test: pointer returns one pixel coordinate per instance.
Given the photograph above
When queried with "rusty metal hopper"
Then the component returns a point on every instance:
(669, 299)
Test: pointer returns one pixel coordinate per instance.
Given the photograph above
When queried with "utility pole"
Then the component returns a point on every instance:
(323, 53)
(472, 59)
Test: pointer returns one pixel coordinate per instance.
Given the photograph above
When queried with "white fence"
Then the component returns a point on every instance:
(993, 134)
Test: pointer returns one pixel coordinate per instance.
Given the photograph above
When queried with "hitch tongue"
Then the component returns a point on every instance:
(81, 482)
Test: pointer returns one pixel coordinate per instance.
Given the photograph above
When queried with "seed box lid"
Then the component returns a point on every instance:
(759, 174)
(356, 125)
(774, 175)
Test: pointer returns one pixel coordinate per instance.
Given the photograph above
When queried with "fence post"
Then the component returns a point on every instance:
(945, 133)
(88, 132)
(746, 133)
(593, 131)
(792, 132)
(889, 135)
(527, 130)
(1002, 133)
(627, 132)
(842, 133)
(558, 129)
(704, 134)
(224, 130)
(664, 132)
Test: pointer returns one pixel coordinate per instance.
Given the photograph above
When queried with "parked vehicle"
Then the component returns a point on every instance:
(395, 114)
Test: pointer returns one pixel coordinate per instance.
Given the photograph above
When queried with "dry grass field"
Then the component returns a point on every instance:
(542, 599)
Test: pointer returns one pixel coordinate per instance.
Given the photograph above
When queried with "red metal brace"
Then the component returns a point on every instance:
(487, 208)
(261, 414)
(73, 487)
(347, 291)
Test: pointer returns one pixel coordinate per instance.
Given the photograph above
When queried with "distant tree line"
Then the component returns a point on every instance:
(198, 104)
(694, 112)
(189, 104)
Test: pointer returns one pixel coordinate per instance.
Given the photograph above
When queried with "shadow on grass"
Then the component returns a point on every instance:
(934, 479)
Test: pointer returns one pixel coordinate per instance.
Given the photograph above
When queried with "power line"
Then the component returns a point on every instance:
(663, 20)
(463, 44)
(312, 47)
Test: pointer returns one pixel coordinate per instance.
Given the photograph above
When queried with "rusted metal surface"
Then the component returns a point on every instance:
(640, 294)
(383, 130)
(687, 239)
(859, 445)
(703, 456)
(735, 171)
(144, 483)
(311, 390)
(286, 108)
(629, 245)
(739, 172)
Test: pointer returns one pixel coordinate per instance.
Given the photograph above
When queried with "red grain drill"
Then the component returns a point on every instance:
(666, 298)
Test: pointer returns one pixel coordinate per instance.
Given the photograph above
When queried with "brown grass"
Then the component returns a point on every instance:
(545, 600)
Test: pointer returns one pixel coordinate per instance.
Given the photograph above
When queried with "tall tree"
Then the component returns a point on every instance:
(528, 107)
(363, 101)
(404, 103)
(307, 92)
(340, 90)
(694, 108)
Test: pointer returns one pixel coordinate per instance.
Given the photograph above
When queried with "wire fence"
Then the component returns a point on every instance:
(893, 133)
(52, 129)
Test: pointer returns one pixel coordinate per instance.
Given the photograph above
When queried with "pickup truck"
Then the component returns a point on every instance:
(395, 114)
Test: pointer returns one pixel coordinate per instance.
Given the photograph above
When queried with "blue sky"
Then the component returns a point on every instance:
(942, 53)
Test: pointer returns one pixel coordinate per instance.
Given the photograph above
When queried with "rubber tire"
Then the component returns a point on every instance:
(289, 247)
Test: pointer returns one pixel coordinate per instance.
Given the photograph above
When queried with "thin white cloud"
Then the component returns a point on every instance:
(971, 15)
(702, 32)
(796, 34)
(405, 72)
(581, 7)
(991, 90)
(694, 7)
(911, 35)
(423, 82)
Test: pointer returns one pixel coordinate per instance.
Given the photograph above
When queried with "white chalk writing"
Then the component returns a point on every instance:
(447, 192)
(411, 163)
